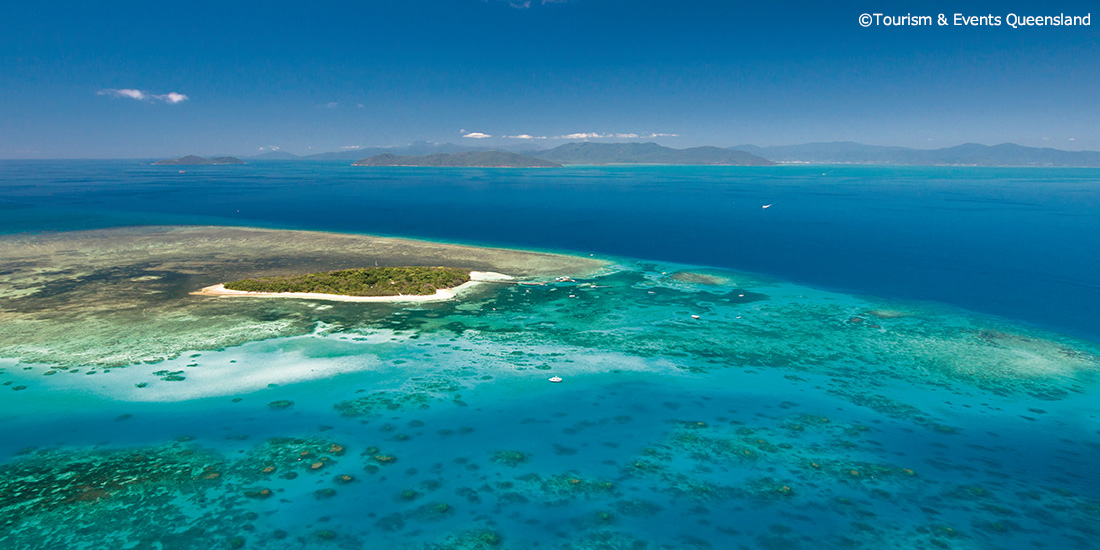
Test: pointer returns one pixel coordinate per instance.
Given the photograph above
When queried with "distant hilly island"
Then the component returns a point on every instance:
(588, 152)
(416, 148)
(484, 159)
(192, 160)
(424, 153)
(576, 153)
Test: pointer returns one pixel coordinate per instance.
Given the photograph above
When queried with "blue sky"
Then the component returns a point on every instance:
(92, 79)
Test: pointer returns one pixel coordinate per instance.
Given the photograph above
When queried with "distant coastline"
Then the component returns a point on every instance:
(967, 154)
(423, 154)
(634, 153)
(193, 160)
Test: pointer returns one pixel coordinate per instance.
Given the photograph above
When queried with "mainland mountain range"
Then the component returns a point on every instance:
(447, 154)
(967, 154)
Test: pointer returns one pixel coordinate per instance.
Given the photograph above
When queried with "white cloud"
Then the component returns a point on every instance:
(351, 147)
(477, 135)
(596, 135)
(270, 148)
(170, 97)
(585, 135)
(332, 105)
(525, 136)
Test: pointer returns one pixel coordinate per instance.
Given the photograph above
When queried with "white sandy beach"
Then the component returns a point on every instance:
(476, 277)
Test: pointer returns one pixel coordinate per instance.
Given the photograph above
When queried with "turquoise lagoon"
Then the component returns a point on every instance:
(794, 412)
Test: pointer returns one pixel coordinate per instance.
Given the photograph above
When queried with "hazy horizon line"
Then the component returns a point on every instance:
(271, 149)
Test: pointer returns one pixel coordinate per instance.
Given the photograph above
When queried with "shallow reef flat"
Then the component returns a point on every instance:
(620, 461)
(627, 316)
(699, 409)
(120, 296)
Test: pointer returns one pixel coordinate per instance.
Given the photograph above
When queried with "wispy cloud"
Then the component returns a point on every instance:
(124, 92)
(270, 148)
(576, 135)
(331, 105)
(597, 135)
(131, 93)
(351, 147)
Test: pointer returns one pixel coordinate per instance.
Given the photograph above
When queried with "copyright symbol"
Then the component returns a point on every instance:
(865, 20)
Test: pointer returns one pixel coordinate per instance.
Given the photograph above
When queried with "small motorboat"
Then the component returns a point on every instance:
(766, 206)
(694, 316)
(555, 379)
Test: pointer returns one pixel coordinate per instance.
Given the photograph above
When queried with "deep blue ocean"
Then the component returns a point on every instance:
(1016, 242)
(885, 357)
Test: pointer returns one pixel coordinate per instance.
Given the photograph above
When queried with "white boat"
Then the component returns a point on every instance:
(555, 379)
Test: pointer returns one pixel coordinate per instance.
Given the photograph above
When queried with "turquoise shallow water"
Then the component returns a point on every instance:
(785, 416)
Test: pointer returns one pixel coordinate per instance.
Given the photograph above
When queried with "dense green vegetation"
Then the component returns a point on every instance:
(370, 281)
